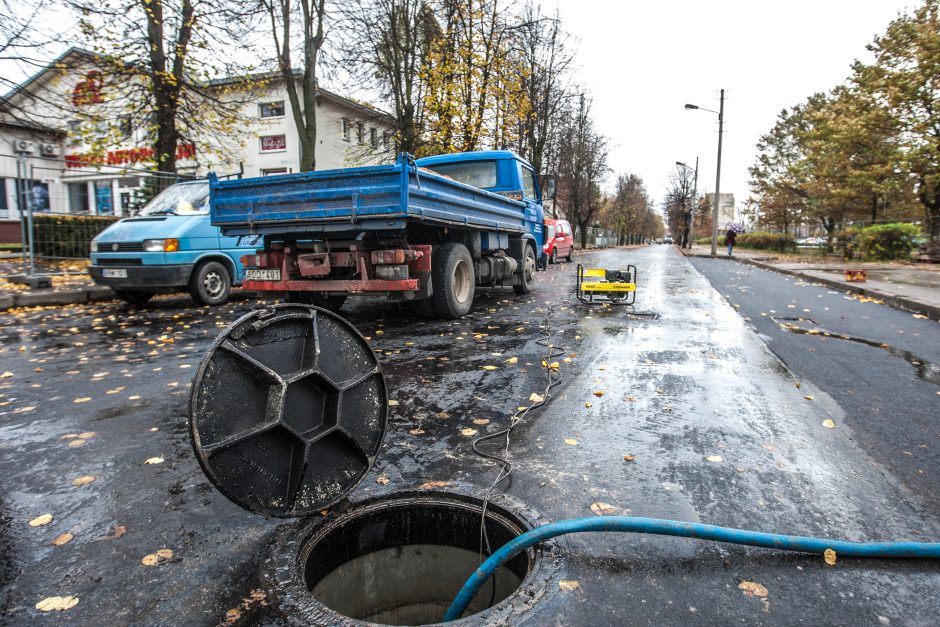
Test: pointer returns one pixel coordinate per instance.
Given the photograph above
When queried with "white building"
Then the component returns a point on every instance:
(47, 146)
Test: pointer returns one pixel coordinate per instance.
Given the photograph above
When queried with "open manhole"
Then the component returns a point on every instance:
(399, 560)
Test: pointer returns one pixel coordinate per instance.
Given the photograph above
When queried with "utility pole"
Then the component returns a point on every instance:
(692, 212)
(721, 120)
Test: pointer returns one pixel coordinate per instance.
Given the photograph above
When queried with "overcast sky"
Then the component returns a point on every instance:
(642, 61)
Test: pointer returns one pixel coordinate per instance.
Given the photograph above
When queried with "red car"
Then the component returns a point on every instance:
(559, 241)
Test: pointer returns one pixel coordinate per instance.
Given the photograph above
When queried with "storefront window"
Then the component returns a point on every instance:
(104, 198)
(78, 197)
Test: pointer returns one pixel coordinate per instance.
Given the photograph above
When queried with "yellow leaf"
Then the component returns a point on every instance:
(830, 556)
(50, 604)
(68, 436)
(417, 432)
(154, 460)
(753, 589)
(715, 458)
(65, 538)
(119, 531)
(380, 332)
(87, 434)
(481, 421)
(536, 398)
(809, 397)
(568, 585)
(83, 480)
(382, 480)
(468, 432)
(78, 442)
(603, 509)
(588, 404)
(920, 316)
(567, 360)
(554, 365)
(571, 441)
(134, 397)
(489, 367)
(629, 458)
(6, 375)
(83, 399)
(393, 403)
(157, 558)
(429, 485)
(828, 423)
(40, 521)
(512, 360)
(598, 393)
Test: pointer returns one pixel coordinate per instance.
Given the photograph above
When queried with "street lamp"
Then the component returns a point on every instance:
(694, 194)
(721, 120)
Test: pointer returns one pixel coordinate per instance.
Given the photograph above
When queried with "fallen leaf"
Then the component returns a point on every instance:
(797, 384)
(83, 399)
(6, 375)
(77, 442)
(83, 480)
(154, 460)
(629, 458)
(828, 423)
(135, 397)
(809, 397)
(154, 429)
(380, 332)
(430, 485)
(603, 509)
(536, 398)
(50, 604)
(393, 403)
(598, 393)
(65, 538)
(554, 365)
(568, 585)
(87, 434)
(753, 589)
(481, 421)
(512, 360)
(157, 558)
(715, 458)
(489, 367)
(571, 441)
(119, 531)
(68, 436)
(920, 316)
(589, 404)
(468, 432)
(232, 615)
(417, 432)
(630, 399)
(382, 480)
(830, 556)
(39, 521)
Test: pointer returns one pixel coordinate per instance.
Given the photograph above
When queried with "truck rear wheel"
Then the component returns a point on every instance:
(332, 302)
(210, 284)
(453, 279)
(527, 272)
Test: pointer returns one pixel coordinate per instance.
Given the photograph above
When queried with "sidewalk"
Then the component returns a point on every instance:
(67, 289)
(908, 286)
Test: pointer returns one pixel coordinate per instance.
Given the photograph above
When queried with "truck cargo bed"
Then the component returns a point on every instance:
(381, 198)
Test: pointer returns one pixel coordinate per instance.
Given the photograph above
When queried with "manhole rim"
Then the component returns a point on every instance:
(283, 578)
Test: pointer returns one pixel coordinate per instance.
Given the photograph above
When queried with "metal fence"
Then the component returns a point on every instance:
(596, 237)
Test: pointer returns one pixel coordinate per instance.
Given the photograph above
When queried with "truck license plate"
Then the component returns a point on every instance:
(114, 273)
(263, 275)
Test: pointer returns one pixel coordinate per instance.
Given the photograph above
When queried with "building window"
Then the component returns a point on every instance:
(273, 143)
(36, 194)
(374, 137)
(385, 140)
(360, 132)
(273, 171)
(78, 197)
(3, 196)
(272, 109)
(345, 130)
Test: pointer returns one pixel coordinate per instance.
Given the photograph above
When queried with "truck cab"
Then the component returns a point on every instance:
(170, 246)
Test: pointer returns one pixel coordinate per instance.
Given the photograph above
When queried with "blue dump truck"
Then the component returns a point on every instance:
(428, 231)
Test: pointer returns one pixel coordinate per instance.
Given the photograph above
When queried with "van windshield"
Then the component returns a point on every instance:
(179, 200)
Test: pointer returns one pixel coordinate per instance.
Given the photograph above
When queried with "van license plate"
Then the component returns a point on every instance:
(263, 275)
(114, 273)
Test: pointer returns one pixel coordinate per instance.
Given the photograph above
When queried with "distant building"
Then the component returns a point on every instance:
(59, 174)
(727, 212)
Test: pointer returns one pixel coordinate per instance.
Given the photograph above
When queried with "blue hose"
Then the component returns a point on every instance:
(930, 550)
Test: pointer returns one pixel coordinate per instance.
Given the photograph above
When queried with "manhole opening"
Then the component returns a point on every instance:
(402, 562)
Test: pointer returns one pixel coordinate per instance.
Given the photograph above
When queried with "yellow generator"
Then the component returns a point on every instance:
(597, 285)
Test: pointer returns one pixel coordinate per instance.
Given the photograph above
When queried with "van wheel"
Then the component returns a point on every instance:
(134, 297)
(332, 302)
(527, 272)
(454, 280)
(210, 284)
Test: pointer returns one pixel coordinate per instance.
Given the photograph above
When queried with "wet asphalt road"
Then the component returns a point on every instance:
(694, 383)
(882, 365)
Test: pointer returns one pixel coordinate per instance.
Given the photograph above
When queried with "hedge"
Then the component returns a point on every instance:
(65, 236)
(762, 240)
(881, 242)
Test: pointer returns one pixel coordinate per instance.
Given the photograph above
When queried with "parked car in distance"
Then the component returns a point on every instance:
(170, 246)
(668, 239)
(811, 241)
(559, 240)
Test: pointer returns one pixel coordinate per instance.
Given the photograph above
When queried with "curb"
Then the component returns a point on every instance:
(92, 293)
(893, 300)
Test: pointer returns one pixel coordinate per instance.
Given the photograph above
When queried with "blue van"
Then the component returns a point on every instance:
(170, 246)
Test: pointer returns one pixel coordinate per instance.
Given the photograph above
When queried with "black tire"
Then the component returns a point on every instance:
(570, 254)
(134, 297)
(332, 302)
(526, 272)
(210, 284)
(454, 280)
(553, 257)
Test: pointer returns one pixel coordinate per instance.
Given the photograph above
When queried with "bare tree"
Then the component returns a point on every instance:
(679, 204)
(582, 166)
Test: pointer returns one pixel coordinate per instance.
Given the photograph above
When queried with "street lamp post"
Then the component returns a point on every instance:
(721, 120)
(694, 194)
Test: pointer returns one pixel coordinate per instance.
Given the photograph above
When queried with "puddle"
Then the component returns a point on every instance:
(924, 369)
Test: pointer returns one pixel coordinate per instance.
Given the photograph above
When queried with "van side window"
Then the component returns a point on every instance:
(528, 183)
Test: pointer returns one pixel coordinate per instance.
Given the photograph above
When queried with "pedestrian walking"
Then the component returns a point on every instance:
(729, 238)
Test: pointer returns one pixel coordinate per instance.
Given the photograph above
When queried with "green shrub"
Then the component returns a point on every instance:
(886, 241)
(67, 237)
(762, 240)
